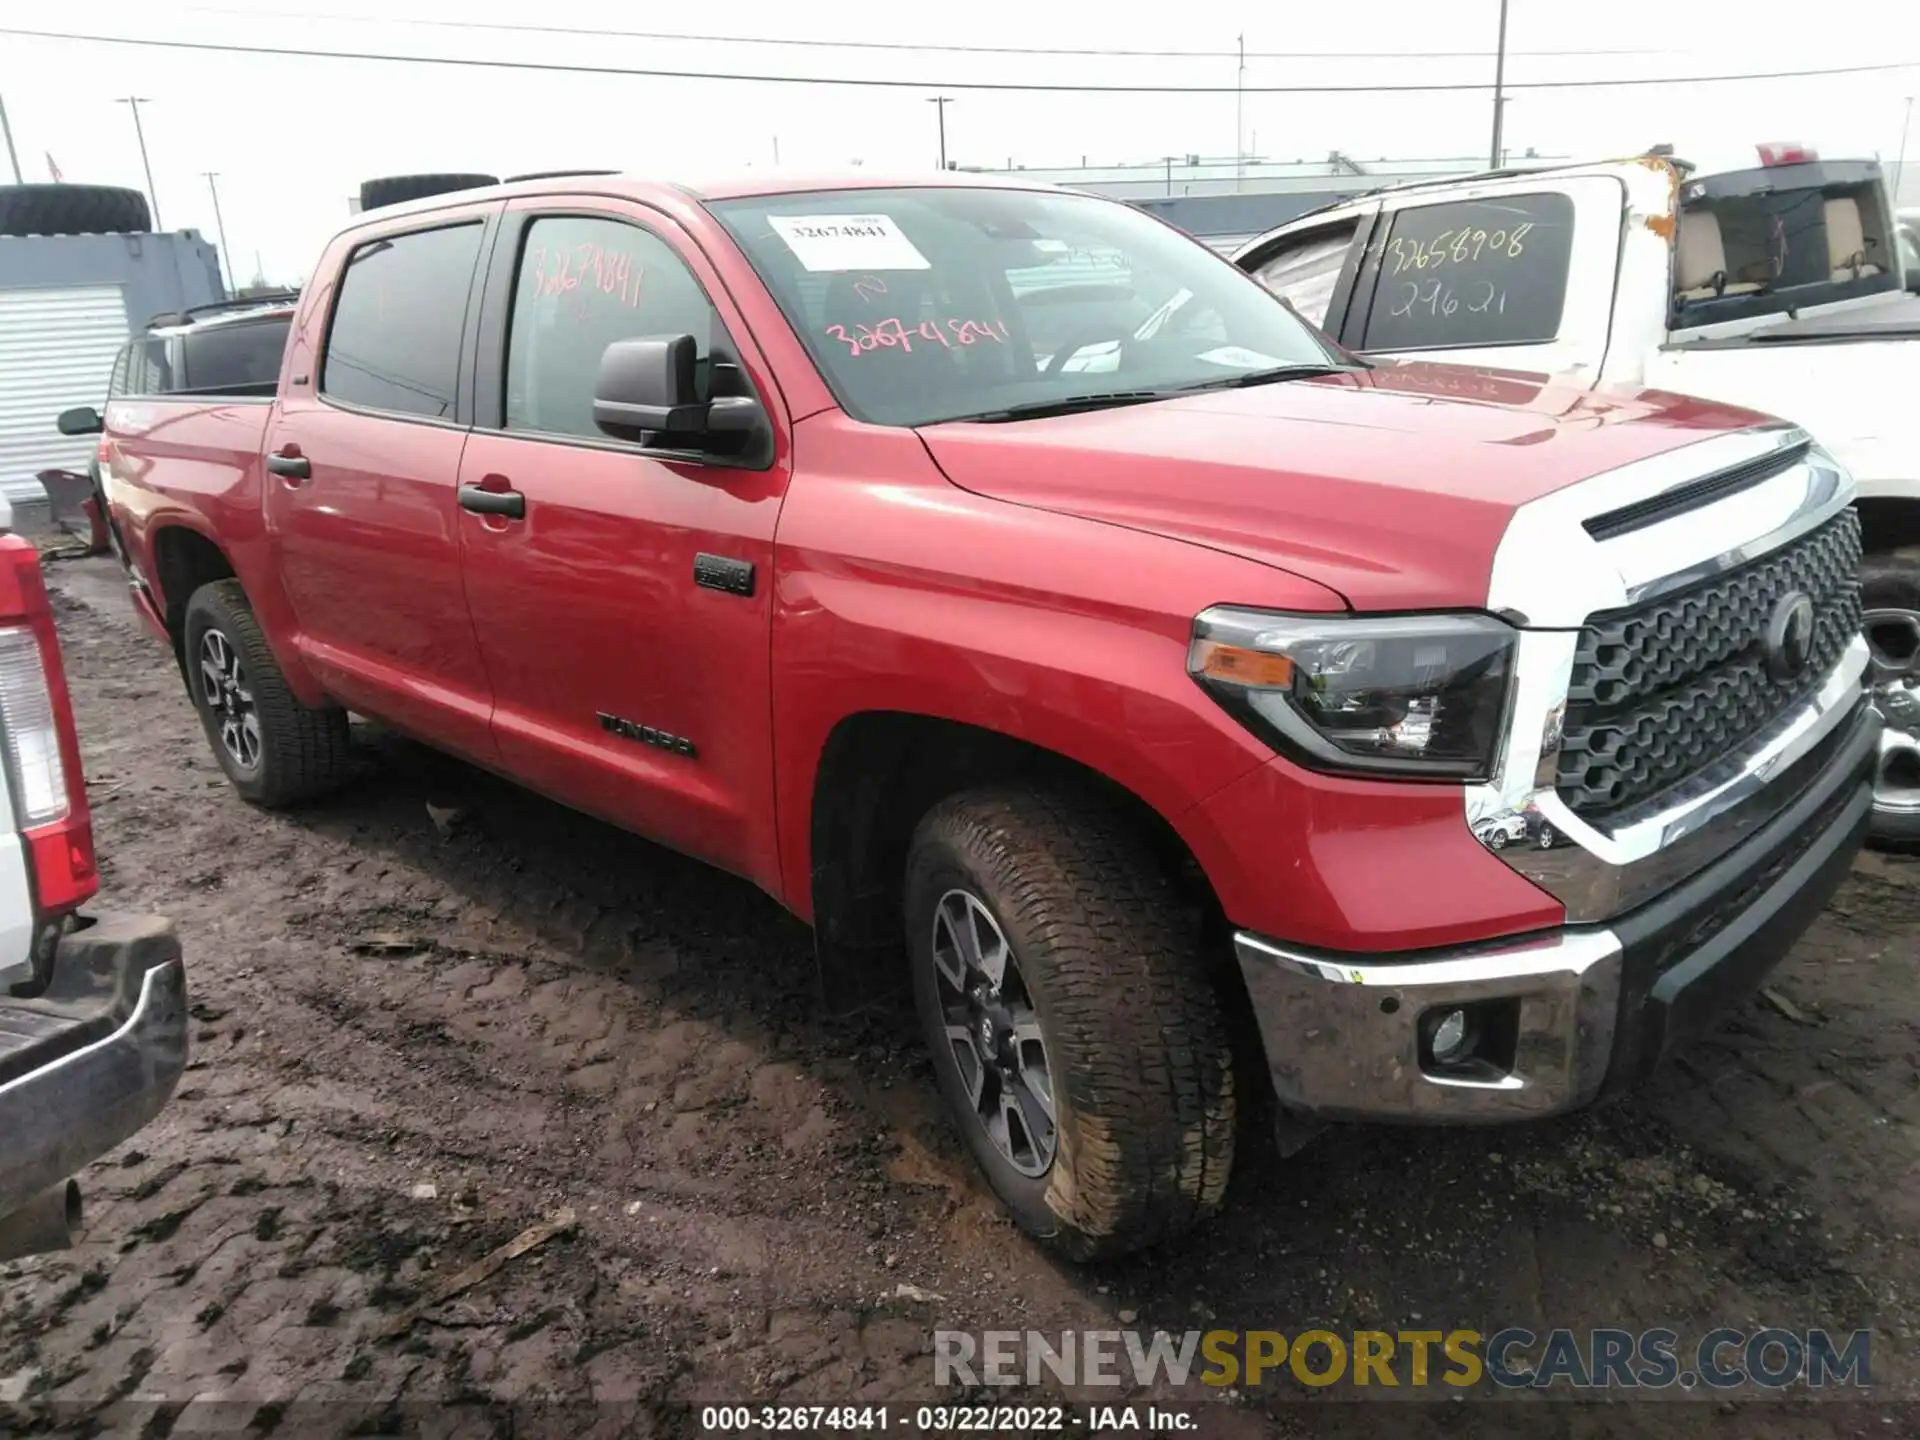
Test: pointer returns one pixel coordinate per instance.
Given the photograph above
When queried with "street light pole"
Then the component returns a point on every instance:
(220, 225)
(941, 102)
(134, 102)
(1240, 117)
(1899, 166)
(7, 131)
(1499, 85)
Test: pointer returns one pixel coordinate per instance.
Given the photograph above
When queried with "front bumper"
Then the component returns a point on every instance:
(1562, 1017)
(87, 1064)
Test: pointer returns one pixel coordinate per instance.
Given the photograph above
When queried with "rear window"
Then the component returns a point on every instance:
(240, 358)
(1305, 274)
(395, 340)
(1750, 243)
(143, 368)
(1471, 273)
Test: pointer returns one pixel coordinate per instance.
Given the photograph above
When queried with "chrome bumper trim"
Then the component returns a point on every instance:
(71, 1110)
(1342, 1038)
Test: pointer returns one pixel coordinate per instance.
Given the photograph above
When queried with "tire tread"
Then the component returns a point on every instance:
(1148, 1073)
(305, 752)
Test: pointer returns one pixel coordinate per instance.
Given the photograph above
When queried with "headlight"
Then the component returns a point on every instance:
(1409, 695)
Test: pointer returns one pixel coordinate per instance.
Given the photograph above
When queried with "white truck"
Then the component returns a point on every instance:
(93, 1009)
(1774, 281)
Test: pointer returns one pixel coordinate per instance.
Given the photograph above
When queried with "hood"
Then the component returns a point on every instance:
(1392, 486)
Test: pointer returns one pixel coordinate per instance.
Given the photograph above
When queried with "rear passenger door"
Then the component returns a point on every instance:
(624, 611)
(363, 463)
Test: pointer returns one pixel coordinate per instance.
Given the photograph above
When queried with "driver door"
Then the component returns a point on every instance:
(621, 595)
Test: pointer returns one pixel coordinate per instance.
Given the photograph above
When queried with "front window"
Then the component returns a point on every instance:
(932, 304)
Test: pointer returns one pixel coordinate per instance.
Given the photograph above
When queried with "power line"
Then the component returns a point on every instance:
(870, 82)
(602, 33)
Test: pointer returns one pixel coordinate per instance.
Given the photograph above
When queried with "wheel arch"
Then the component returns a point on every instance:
(879, 773)
(1889, 522)
(185, 557)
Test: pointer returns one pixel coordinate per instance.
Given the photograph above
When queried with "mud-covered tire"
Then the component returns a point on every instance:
(301, 753)
(1141, 1065)
(1890, 583)
(398, 189)
(72, 210)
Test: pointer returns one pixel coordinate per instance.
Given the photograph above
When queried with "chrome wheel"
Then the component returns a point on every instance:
(993, 1032)
(229, 700)
(1893, 637)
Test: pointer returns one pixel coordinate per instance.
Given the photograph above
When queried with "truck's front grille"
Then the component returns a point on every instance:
(1662, 690)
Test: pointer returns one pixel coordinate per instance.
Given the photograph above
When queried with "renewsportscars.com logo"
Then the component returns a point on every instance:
(1510, 1358)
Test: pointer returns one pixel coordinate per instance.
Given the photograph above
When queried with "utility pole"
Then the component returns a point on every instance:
(134, 102)
(1899, 166)
(941, 102)
(220, 225)
(14, 160)
(776, 152)
(1499, 87)
(1240, 118)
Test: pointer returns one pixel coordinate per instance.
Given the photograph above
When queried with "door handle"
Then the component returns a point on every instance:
(481, 501)
(290, 467)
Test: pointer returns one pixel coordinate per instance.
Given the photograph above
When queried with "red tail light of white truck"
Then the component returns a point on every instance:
(41, 747)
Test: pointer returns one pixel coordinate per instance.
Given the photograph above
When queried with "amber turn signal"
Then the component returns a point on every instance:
(1240, 666)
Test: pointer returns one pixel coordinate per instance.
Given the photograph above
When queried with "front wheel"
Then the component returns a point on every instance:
(1074, 1031)
(1890, 619)
(275, 750)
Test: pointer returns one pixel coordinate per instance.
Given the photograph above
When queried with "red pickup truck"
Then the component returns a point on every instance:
(995, 569)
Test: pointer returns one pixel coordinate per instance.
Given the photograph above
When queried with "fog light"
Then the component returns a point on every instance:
(1450, 1037)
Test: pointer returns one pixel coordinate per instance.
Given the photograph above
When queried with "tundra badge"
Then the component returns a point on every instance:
(645, 734)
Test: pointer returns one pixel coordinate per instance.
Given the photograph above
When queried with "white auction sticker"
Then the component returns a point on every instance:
(1239, 357)
(848, 242)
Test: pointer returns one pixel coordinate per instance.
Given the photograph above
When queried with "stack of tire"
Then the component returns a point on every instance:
(398, 189)
(73, 210)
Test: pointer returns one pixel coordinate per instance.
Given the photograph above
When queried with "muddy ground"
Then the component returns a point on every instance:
(410, 1046)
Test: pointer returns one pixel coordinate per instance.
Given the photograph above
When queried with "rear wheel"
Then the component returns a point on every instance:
(275, 750)
(1890, 619)
(1074, 1031)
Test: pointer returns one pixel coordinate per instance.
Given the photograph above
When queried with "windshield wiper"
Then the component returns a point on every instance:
(1070, 405)
(1273, 374)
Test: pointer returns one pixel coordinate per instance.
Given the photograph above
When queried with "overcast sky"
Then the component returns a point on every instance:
(292, 137)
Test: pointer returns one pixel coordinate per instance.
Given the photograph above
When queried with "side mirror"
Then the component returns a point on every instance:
(80, 420)
(648, 387)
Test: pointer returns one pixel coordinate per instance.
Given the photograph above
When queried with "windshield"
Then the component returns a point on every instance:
(939, 303)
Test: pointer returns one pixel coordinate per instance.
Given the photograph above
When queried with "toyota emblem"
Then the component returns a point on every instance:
(1790, 636)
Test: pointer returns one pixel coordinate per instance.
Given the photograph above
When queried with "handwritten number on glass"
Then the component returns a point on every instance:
(896, 334)
(1456, 247)
(564, 270)
(1437, 299)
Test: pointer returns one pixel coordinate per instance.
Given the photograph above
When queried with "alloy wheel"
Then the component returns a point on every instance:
(993, 1032)
(229, 699)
